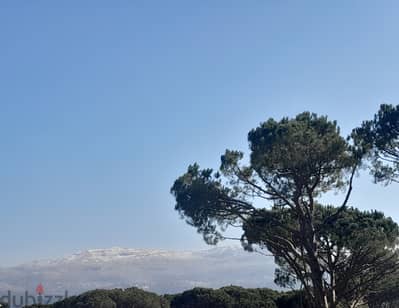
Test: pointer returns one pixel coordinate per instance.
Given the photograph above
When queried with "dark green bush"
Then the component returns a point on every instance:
(227, 297)
(116, 298)
(293, 299)
(202, 298)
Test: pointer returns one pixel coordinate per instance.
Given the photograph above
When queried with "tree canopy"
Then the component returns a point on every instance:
(230, 297)
(335, 253)
(379, 138)
(225, 297)
(116, 298)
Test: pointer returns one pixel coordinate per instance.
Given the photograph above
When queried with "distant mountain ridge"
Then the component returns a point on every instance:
(161, 271)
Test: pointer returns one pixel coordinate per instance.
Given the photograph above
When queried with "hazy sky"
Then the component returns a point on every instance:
(104, 104)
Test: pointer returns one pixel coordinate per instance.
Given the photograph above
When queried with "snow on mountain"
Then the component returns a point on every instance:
(160, 271)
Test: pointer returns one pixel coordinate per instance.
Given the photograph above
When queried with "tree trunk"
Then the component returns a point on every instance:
(321, 294)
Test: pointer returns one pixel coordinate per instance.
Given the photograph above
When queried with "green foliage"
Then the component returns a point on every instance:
(379, 138)
(361, 242)
(294, 299)
(226, 297)
(299, 151)
(116, 298)
(236, 297)
(386, 295)
(202, 298)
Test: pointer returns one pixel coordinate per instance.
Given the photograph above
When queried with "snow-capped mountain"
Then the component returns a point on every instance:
(160, 271)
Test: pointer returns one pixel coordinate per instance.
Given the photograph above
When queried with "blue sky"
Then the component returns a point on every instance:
(104, 104)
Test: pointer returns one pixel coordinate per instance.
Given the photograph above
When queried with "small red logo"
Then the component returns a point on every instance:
(39, 289)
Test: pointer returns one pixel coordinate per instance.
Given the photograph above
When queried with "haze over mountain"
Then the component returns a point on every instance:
(160, 271)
